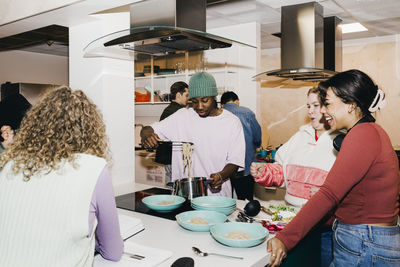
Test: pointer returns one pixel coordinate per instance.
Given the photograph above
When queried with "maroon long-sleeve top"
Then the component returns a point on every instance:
(363, 185)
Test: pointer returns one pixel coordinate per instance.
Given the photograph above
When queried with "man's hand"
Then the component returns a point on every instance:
(217, 181)
(8, 135)
(278, 251)
(149, 138)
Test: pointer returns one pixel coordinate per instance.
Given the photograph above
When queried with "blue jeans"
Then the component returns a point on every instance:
(364, 245)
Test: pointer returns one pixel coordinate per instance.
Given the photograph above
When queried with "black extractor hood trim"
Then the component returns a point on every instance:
(155, 40)
(300, 74)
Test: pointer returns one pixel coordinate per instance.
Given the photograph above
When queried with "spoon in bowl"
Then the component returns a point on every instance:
(204, 254)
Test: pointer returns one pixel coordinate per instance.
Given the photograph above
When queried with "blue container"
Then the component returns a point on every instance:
(212, 217)
(156, 202)
(257, 234)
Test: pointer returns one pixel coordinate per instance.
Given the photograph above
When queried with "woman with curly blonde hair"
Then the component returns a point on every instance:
(56, 195)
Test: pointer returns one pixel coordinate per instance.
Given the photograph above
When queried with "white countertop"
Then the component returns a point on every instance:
(168, 235)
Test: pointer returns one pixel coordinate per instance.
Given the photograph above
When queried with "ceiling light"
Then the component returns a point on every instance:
(353, 27)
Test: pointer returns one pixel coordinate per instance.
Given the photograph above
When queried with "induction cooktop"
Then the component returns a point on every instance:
(133, 202)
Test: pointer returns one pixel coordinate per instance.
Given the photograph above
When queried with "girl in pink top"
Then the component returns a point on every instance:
(301, 165)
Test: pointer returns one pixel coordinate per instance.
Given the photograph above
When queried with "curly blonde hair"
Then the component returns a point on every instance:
(63, 123)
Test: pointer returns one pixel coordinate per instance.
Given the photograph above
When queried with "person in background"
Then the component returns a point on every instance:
(243, 183)
(302, 164)
(362, 186)
(12, 110)
(179, 99)
(56, 195)
(217, 135)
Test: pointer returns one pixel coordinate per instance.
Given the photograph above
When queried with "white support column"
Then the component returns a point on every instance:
(244, 60)
(109, 83)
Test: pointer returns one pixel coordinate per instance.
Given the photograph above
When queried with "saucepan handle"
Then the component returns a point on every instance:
(172, 185)
(208, 181)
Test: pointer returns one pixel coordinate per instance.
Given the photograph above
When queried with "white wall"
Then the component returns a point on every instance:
(109, 83)
(243, 60)
(28, 67)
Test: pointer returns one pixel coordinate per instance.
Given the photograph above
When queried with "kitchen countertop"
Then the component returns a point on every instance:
(168, 235)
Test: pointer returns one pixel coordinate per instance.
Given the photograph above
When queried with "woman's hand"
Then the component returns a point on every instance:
(278, 251)
(257, 169)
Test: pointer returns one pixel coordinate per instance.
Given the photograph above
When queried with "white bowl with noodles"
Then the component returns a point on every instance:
(199, 220)
(163, 203)
(239, 234)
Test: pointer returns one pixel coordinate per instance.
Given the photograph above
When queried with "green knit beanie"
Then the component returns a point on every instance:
(202, 84)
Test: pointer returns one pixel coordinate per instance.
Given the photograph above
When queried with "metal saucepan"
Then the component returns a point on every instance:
(190, 188)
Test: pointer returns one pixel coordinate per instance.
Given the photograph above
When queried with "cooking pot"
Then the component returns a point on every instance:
(190, 188)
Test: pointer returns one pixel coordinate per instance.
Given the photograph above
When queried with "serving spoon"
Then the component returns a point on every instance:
(203, 254)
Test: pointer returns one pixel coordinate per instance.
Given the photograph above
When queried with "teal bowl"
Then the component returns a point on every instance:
(255, 232)
(214, 202)
(212, 217)
(156, 202)
(226, 211)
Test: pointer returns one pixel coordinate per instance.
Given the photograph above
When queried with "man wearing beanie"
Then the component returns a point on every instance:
(217, 135)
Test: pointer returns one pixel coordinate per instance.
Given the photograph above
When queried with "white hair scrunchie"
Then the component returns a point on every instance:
(379, 101)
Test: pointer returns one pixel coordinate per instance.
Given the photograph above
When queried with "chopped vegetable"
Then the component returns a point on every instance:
(282, 207)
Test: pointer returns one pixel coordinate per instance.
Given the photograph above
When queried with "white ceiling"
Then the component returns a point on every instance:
(380, 17)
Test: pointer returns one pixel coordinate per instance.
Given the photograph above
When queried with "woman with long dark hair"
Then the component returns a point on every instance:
(363, 185)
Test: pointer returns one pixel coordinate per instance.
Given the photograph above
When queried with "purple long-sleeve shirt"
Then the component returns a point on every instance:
(108, 236)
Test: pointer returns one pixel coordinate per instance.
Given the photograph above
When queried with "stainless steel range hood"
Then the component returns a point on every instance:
(183, 25)
(311, 46)
(161, 27)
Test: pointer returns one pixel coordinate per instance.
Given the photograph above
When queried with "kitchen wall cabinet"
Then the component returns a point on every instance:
(157, 85)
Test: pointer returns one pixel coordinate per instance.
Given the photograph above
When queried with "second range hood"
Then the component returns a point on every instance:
(162, 27)
(311, 46)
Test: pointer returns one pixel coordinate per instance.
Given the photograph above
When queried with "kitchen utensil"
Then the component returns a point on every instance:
(160, 202)
(184, 219)
(267, 211)
(183, 262)
(204, 254)
(256, 233)
(243, 217)
(190, 188)
(164, 151)
(252, 208)
(134, 256)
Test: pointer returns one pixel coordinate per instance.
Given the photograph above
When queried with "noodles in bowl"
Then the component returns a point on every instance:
(163, 203)
(238, 234)
(199, 220)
